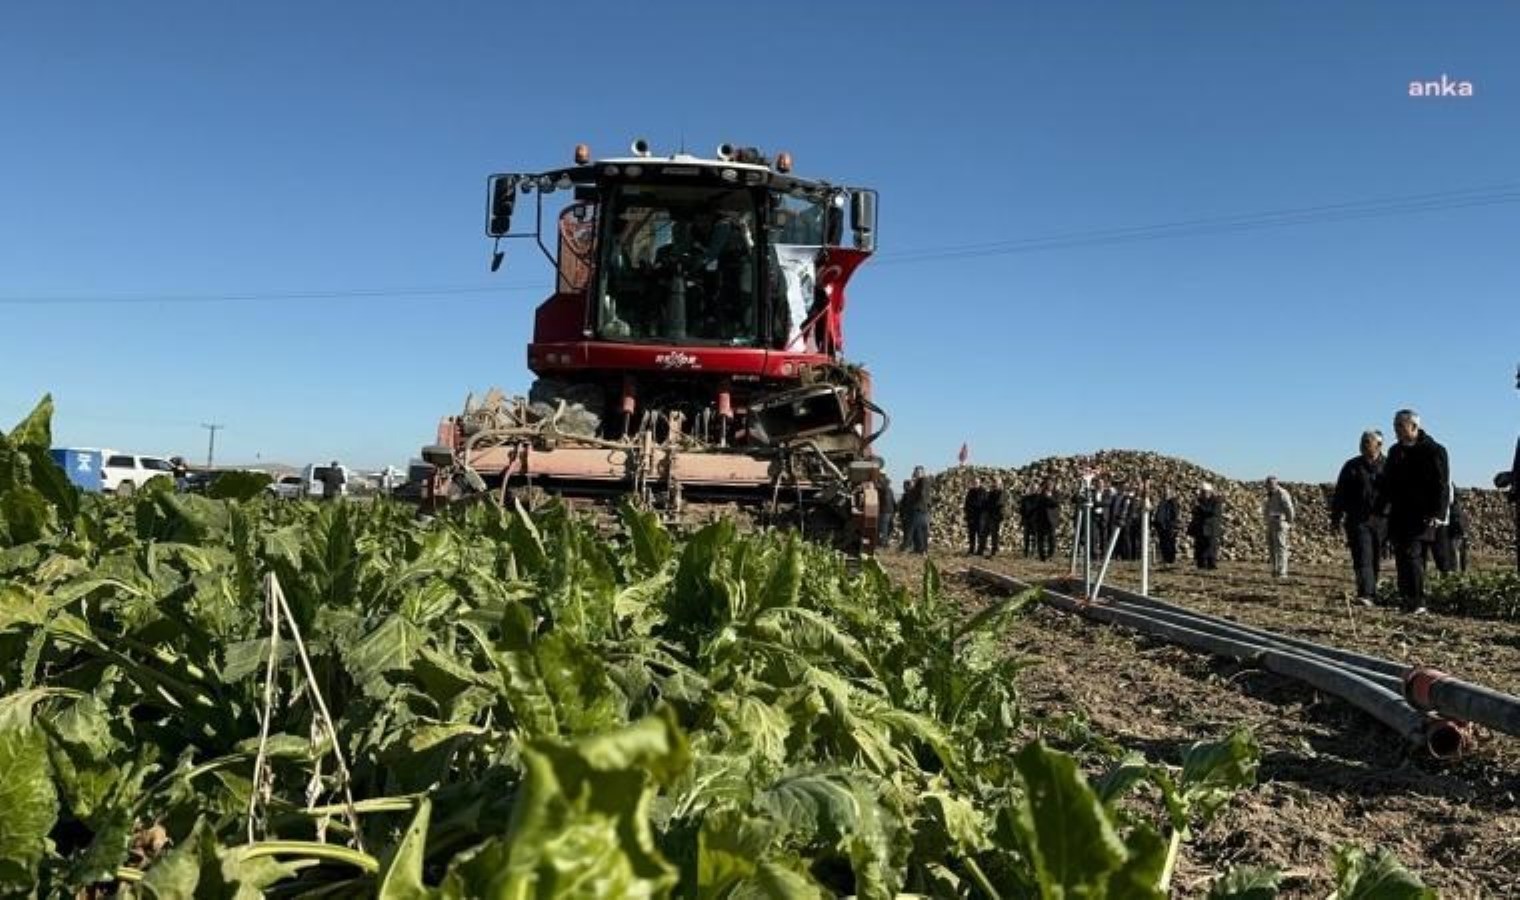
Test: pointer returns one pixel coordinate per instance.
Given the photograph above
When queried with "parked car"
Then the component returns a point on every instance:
(124, 473)
(288, 487)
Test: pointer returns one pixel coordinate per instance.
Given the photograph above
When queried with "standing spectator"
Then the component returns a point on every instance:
(1277, 509)
(1118, 521)
(181, 474)
(1047, 518)
(922, 488)
(991, 531)
(1415, 494)
(1511, 480)
(1441, 546)
(1103, 498)
(1206, 528)
(333, 481)
(1027, 525)
(976, 498)
(1166, 519)
(1132, 522)
(886, 509)
(1456, 534)
(905, 514)
(1352, 508)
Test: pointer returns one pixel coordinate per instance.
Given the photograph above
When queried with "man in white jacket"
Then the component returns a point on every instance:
(1278, 511)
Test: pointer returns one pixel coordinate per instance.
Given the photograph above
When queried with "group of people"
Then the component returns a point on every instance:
(1404, 502)
(911, 507)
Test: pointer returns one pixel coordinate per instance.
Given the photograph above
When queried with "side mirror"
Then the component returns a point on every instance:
(503, 199)
(863, 219)
(833, 220)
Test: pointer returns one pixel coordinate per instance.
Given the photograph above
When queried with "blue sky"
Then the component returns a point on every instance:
(216, 151)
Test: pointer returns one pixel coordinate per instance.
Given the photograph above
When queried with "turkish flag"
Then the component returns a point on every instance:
(965, 454)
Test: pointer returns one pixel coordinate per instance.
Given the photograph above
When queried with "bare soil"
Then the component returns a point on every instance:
(1329, 774)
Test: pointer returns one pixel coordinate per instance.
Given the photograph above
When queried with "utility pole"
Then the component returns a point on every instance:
(211, 447)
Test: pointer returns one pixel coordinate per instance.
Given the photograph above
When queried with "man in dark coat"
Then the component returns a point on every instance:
(886, 510)
(1207, 528)
(1118, 522)
(991, 524)
(1352, 509)
(333, 481)
(1415, 495)
(1047, 517)
(976, 497)
(921, 489)
(1027, 525)
(1167, 518)
(1511, 481)
(905, 514)
(1456, 534)
(1103, 498)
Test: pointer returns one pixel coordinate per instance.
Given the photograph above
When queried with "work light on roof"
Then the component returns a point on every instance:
(582, 154)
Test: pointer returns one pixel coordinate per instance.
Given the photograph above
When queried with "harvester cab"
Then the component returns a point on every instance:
(690, 354)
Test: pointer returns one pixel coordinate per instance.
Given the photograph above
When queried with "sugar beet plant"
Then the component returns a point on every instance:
(520, 707)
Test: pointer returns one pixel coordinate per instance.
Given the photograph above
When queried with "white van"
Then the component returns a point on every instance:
(312, 480)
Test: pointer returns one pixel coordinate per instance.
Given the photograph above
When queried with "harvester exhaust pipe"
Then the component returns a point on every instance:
(640, 147)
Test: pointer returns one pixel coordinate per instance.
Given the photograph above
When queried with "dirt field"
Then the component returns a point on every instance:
(1329, 774)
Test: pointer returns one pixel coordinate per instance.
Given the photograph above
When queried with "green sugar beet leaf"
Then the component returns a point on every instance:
(28, 807)
(1375, 876)
(1062, 823)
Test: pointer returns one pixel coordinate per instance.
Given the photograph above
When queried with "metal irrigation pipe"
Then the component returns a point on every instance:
(1441, 737)
(1390, 682)
(1424, 687)
(1350, 657)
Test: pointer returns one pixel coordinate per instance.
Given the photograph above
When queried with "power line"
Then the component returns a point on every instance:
(1186, 228)
(1217, 225)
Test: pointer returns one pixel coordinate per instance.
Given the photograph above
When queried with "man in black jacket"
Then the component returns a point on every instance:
(1028, 503)
(1207, 528)
(1047, 517)
(976, 498)
(1511, 480)
(1166, 518)
(1513, 483)
(989, 533)
(1351, 508)
(1415, 495)
(886, 510)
